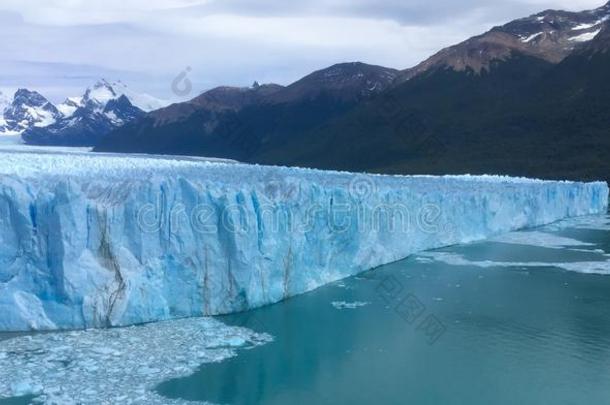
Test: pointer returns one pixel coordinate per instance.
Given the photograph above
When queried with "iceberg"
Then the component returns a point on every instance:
(96, 240)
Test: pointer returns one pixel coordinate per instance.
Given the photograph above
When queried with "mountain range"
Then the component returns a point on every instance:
(78, 121)
(529, 98)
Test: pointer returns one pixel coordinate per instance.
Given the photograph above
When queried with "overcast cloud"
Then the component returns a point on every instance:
(59, 47)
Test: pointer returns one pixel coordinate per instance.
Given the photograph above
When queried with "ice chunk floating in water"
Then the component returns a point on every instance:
(94, 240)
(115, 366)
(349, 305)
(599, 261)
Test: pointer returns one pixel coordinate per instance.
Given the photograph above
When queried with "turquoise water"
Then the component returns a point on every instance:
(434, 333)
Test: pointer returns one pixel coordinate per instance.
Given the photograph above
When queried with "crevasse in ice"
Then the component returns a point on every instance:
(99, 240)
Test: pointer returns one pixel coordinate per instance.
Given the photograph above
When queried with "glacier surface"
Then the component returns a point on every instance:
(93, 240)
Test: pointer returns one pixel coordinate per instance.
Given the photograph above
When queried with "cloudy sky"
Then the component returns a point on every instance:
(59, 47)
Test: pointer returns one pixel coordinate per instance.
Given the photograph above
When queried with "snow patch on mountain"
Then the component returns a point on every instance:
(69, 107)
(41, 117)
(531, 37)
(587, 36)
(582, 27)
(101, 93)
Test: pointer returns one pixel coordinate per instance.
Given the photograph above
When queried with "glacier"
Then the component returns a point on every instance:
(99, 240)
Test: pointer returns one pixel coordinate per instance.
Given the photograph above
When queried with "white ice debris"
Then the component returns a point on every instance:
(101, 240)
(595, 225)
(600, 263)
(601, 267)
(541, 239)
(117, 365)
(349, 305)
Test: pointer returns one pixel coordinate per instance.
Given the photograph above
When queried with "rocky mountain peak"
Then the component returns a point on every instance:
(31, 98)
(99, 94)
(551, 35)
(353, 73)
(82, 121)
(27, 109)
(347, 81)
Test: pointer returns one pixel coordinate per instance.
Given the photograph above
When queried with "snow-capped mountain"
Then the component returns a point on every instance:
(78, 120)
(103, 98)
(143, 101)
(28, 109)
(103, 91)
(84, 120)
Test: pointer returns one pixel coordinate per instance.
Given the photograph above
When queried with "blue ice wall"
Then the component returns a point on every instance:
(99, 241)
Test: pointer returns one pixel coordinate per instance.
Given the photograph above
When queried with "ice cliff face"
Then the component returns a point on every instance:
(98, 241)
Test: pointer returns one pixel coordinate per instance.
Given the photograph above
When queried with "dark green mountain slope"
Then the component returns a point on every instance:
(238, 122)
(522, 117)
(530, 98)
